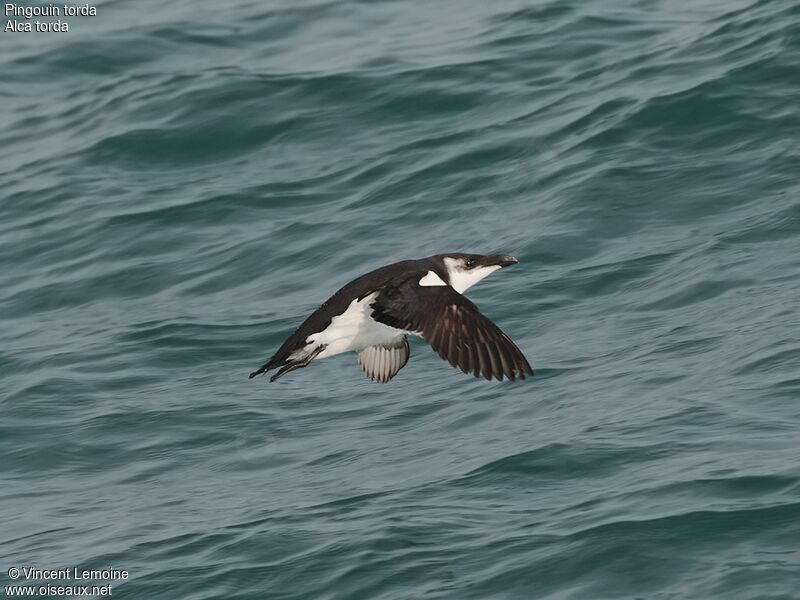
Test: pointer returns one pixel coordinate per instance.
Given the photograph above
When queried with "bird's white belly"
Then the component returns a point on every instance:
(354, 330)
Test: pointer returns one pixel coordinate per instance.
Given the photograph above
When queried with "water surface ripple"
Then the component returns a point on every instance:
(183, 183)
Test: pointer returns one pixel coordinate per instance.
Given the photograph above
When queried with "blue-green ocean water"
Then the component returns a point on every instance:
(182, 183)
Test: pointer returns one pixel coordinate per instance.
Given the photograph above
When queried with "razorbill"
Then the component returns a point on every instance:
(372, 315)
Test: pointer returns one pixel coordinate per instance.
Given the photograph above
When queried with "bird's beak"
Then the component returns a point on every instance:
(505, 261)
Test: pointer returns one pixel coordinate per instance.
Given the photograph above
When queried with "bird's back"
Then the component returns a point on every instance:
(338, 303)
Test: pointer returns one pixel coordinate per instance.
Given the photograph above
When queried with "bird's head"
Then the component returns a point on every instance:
(465, 270)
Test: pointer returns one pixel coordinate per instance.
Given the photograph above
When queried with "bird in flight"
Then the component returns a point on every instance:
(373, 314)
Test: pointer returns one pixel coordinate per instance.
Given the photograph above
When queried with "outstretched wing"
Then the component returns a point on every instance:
(453, 326)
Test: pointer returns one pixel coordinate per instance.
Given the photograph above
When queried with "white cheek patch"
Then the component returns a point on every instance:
(461, 280)
(431, 279)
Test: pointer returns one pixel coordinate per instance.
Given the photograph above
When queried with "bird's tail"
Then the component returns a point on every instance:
(263, 368)
(287, 365)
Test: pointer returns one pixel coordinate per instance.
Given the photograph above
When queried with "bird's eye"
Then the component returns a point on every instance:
(469, 264)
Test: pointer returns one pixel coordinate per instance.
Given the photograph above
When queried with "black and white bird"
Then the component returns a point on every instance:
(372, 315)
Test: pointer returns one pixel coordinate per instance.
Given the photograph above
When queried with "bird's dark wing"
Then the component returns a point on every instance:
(453, 326)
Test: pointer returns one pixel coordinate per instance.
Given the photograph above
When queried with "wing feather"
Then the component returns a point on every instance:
(453, 326)
(382, 362)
